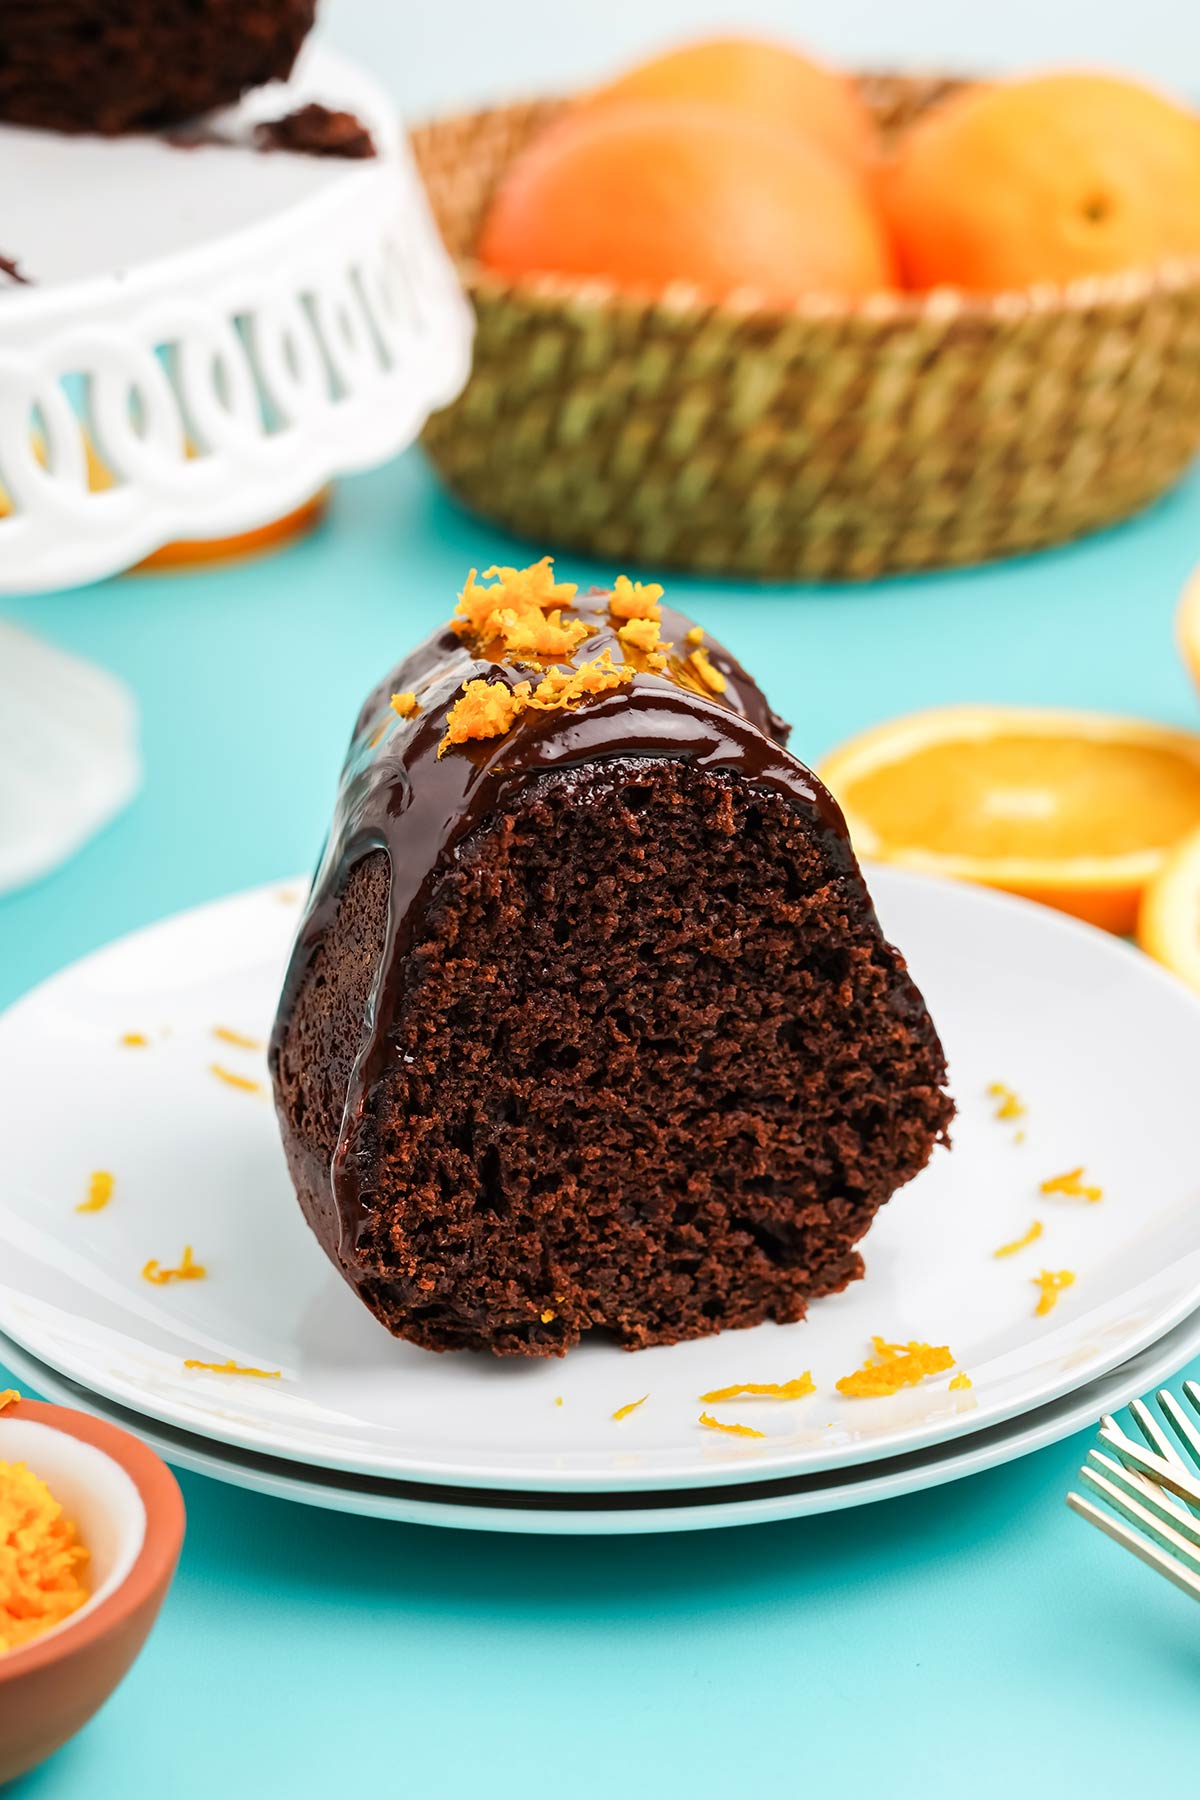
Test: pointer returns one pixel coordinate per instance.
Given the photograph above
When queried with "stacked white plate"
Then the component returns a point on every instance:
(1100, 1044)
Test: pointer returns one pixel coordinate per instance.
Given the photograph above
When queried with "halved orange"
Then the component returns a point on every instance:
(1168, 924)
(1187, 626)
(1078, 810)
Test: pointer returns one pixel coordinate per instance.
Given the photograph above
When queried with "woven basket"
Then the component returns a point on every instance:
(834, 440)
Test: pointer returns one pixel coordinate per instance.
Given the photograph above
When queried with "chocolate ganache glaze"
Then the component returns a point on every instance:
(399, 795)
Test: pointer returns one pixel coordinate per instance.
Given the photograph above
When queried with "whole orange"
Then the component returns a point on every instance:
(1043, 180)
(652, 192)
(771, 81)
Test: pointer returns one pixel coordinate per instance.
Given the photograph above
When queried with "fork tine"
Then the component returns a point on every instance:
(1148, 1520)
(1145, 1492)
(1129, 1539)
(1166, 1474)
(1180, 1424)
(1153, 1432)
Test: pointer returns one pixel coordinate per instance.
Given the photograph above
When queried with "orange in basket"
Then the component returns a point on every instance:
(1078, 810)
(647, 193)
(770, 81)
(1043, 181)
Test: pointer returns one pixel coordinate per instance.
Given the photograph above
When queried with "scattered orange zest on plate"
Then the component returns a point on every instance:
(895, 1366)
(961, 1380)
(1010, 1106)
(233, 1080)
(233, 1368)
(1030, 1237)
(133, 1040)
(101, 1183)
(237, 1038)
(711, 1424)
(1050, 1284)
(623, 1412)
(765, 1390)
(1072, 1185)
(189, 1270)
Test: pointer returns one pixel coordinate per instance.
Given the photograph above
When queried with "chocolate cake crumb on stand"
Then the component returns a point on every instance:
(239, 328)
(590, 1025)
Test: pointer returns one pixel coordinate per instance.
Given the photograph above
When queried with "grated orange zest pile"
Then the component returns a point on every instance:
(560, 687)
(231, 1079)
(712, 678)
(765, 1390)
(1072, 1185)
(634, 599)
(40, 1559)
(522, 611)
(133, 1040)
(646, 635)
(189, 1270)
(1021, 1243)
(961, 1380)
(405, 705)
(484, 709)
(1010, 1106)
(237, 1038)
(101, 1183)
(623, 1412)
(895, 1366)
(1050, 1284)
(746, 1431)
(233, 1368)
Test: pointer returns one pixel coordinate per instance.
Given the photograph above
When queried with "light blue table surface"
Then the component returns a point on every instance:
(978, 1640)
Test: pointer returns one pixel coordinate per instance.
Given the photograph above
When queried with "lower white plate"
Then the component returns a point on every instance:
(612, 1515)
(1099, 1042)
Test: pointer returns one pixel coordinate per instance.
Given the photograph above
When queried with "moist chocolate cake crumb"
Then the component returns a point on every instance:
(590, 1025)
(315, 130)
(113, 66)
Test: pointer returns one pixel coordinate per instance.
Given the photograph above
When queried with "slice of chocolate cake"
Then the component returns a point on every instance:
(590, 1024)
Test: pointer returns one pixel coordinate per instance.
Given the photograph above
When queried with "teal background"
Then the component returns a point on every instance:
(977, 1640)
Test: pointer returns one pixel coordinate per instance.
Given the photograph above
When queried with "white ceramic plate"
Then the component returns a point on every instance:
(581, 1514)
(1100, 1043)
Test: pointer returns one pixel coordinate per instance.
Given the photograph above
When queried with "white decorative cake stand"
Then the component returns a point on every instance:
(210, 333)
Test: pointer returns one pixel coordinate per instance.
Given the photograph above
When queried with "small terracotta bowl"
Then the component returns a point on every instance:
(129, 1513)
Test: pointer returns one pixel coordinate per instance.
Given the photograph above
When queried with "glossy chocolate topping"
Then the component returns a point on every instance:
(397, 794)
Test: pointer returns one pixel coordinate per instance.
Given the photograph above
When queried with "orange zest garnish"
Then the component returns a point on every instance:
(9, 1397)
(895, 1366)
(765, 1390)
(522, 612)
(233, 1368)
(233, 1080)
(1030, 1237)
(712, 678)
(133, 1040)
(101, 1183)
(623, 1412)
(488, 709)
(560, 688)
(634, 599)
(645, 635)
(237, 1038)
(405, 705)
(1050, 1284)
(188, 1270)
(1072, 1185)
(961, 1381)
(695, 636)
(1009, 1104)
(711, 1424)
(40, 1559)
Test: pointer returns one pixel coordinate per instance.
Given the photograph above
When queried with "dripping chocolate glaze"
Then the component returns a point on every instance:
(397, 795)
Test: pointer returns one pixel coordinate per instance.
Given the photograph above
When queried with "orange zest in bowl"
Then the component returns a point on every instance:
(623, 1412)
(1072, 1185)
(1050, 1285)
(101, 1183)
(743, 1431)
(233, 1368)
(764, 1390)
(188, 1270)
(893, 1367)
(1078, 810)
(1021, 1243)
(41, 1559)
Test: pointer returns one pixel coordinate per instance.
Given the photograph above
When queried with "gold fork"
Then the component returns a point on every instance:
(1150, 1485)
